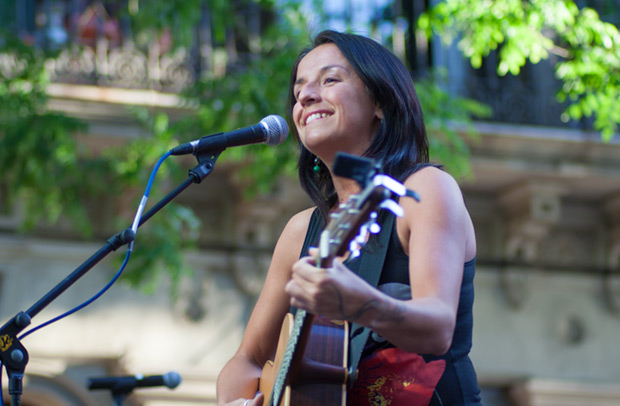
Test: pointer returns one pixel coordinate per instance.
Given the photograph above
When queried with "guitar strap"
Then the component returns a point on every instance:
(369, 268)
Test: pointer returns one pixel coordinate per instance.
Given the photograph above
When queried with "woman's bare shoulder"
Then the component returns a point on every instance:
(441, 207)
(431, 176)
(292, 238)
(435, 185)
(300, 221)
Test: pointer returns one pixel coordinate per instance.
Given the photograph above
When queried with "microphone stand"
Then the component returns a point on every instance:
(119, 395)
(13, 354)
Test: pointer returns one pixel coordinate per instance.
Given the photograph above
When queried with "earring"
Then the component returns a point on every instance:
(316, 168)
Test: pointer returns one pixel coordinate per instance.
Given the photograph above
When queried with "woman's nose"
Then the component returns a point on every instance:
(308, 94)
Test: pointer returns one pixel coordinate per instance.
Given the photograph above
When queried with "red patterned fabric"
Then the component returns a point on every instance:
(393, 377)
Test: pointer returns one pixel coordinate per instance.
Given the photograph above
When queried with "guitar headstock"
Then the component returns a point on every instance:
(350, 226)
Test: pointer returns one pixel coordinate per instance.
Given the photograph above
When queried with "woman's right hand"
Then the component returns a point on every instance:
(256, 401)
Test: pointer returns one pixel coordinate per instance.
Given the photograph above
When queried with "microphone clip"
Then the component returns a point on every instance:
(206, 164)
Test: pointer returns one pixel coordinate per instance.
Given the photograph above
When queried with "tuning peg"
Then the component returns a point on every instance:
(390, 184)
(413, 194)
(363, 235)
(355, 248)
(392, 206)
(374, 228)
(371, 225)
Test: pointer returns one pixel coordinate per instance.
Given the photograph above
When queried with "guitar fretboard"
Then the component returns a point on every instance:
(291, 346)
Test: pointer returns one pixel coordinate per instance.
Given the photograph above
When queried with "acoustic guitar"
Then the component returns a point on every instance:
(310, 365)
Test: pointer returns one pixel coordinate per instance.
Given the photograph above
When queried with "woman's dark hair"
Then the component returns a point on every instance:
(400, 144)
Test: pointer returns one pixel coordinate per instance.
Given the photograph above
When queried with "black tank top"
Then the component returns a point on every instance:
(458, 385)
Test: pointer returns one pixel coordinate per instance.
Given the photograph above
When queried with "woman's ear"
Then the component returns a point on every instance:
(379, 112)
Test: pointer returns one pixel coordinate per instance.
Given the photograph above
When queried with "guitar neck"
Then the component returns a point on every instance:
(295, 349)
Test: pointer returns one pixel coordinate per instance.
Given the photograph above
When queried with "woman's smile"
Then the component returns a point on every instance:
(333, 111)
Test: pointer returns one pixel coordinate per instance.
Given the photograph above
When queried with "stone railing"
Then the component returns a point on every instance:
(126, 66)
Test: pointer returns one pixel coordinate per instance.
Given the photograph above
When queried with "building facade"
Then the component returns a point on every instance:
(544, 198)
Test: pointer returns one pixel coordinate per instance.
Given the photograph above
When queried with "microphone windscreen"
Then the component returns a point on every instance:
(277, 129)
(172, 379)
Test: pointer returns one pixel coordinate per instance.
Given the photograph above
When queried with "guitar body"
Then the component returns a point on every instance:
(318, 376)
(270, 370)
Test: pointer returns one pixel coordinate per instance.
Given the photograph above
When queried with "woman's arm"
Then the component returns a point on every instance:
(239, 378)
(438, 236)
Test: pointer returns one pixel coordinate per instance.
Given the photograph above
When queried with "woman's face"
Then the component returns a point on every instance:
(333, 111)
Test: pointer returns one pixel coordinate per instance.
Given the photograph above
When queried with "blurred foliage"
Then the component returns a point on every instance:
(258, 87)
(41, 159)
(588, 48)
(50, 174)
(38, 146)
(448, 120)
(244, 96)
(161, 240)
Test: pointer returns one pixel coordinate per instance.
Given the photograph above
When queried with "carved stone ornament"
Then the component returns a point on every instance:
(514, 284)
(530, 210)
(572, 329)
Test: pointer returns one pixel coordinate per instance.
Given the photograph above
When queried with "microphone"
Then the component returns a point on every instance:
(125, 384)
(271, 130)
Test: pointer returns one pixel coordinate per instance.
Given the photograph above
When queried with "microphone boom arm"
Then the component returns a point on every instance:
(13, 355)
